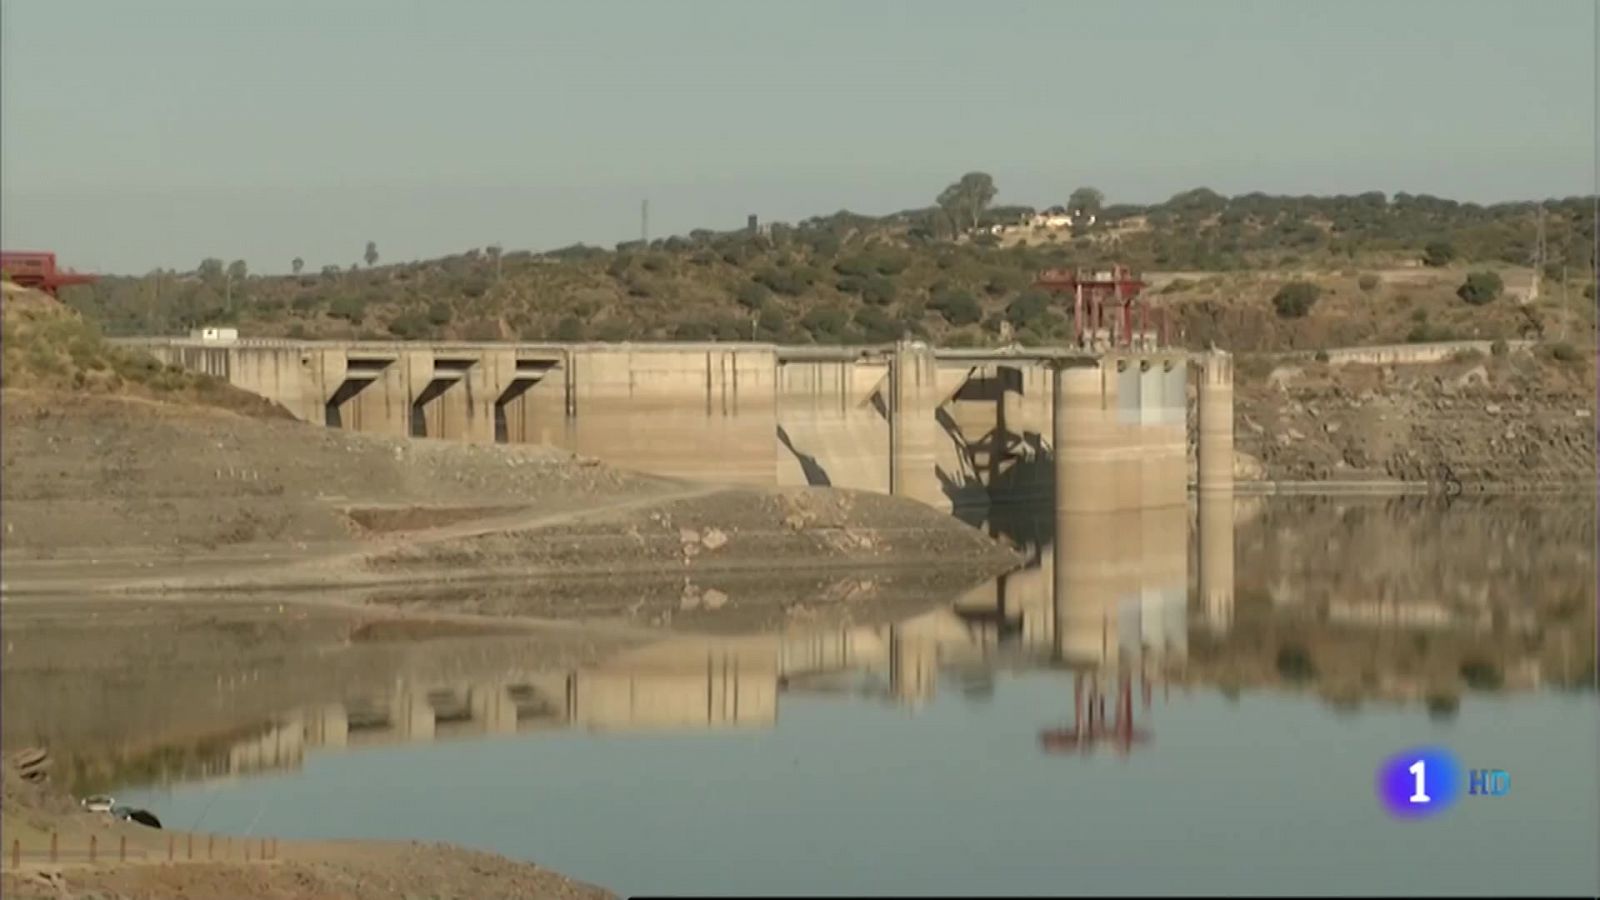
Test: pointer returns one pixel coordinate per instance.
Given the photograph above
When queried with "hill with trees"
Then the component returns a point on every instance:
(1247, 272)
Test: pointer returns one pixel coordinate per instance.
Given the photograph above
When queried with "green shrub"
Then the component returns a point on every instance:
(570, 328)
(1438, 253)
(1006, 281)
(1563, 352)
(825, 323)
(439, 313)
(1499, 348)
(791, 282)
(1369, 282)
(878, 326)
(859, 265)
(1480, 288)
(957, 306)
(1321, 356)
(409, 327)
(1028, 308)
(751, 295)
(1295, 299)
(694, 330)
(612, 331)
(349, 308)
(891, 262)
(878, 290)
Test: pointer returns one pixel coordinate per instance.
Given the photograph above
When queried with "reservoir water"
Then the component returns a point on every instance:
(1152, 718)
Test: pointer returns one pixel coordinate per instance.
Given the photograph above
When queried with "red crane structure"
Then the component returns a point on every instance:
(1105, 304)
(37, 269)
(1089, 725)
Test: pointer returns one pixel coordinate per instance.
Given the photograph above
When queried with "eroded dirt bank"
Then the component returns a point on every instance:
(122, 493)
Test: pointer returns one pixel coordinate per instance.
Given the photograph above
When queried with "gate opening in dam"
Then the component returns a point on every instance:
(950, 428)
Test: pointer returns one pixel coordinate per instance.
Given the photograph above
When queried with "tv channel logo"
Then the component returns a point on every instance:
(1425, 781)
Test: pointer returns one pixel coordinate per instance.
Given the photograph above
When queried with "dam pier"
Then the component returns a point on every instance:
(948, 427)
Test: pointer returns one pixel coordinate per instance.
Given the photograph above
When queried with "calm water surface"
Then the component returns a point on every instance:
(1164, 714)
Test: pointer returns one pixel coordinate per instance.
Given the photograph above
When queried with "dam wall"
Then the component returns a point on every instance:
(950, 428)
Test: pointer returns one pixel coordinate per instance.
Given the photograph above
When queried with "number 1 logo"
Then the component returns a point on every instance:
(1419, 782)
(1420, 769)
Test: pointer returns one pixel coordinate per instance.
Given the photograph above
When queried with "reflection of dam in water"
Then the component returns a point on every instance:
(1108, 594)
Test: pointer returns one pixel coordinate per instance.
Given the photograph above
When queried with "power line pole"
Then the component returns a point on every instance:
(1538, 255)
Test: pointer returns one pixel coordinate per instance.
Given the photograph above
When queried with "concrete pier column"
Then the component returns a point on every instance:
(1163, 479)
(484, 384)
(1215, 524)
(1215, 410)
(1124, 399)
(329, 727)
(1083, 473)
(492, 708)
(411, 716)
(913, 429)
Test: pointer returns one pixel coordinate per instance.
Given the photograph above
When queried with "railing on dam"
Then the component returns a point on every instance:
(782, 352)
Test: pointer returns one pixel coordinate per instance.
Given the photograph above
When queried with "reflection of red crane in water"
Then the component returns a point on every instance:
(1089, 726)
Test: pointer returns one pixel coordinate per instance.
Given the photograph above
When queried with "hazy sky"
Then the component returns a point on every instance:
(156, 133)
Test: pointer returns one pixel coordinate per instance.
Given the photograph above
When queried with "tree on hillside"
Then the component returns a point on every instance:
(210, 270)
(237, 270)
(297, 265)
(1295, 299)
(1199, 202)
(1087, 199)
(1438, 253)
(966, 200)
(371, 254)
(1480, 288)
(495, 251)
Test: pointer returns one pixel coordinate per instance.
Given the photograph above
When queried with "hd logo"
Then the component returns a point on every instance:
(1425, 781)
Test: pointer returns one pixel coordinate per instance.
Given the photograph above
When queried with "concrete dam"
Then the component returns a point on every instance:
(948, 427)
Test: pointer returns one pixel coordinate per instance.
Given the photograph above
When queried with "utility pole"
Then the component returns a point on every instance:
(1538, 255)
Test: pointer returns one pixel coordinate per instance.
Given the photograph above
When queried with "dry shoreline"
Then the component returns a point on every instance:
(123, 518)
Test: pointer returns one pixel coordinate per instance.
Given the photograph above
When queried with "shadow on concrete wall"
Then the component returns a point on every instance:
(816, 476)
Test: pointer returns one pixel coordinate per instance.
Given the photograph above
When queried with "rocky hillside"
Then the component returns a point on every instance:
(1518, 418)
(50, 348)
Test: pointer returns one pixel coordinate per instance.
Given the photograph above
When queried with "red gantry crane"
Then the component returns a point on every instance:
(1105, 305)
(37, 269)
